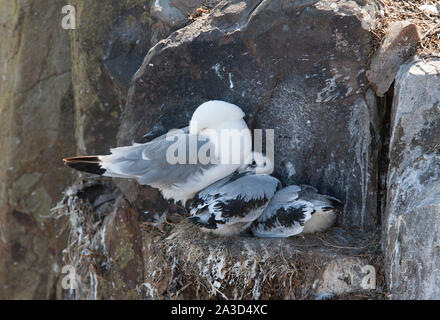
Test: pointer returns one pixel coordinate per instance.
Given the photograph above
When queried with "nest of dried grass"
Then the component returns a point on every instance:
(183, 263)
(410, 10)
(180, 262)
(85, 251)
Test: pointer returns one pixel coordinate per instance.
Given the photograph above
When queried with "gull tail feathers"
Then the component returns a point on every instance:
(90, 164)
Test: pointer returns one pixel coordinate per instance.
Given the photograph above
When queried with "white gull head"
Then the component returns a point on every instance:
(223, 125)
(213, 114)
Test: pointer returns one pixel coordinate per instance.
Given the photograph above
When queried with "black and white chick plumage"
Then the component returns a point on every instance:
(296, 209)
(230, 205)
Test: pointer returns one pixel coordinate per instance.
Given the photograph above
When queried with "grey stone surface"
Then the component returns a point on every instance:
(36, 129)
(170, 15)
(107, 48)
(54, 82)
(411, 225)
(397, 47)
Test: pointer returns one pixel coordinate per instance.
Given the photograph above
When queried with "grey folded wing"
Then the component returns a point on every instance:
(288, 218)
(234, 199)
(150, 162)
(283, 218)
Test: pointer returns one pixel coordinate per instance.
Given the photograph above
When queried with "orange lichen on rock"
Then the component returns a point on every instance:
(198, 13)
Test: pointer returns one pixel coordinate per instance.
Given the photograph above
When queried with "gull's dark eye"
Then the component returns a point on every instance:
(254, 163)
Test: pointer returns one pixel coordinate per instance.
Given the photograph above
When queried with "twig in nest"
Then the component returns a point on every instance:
(182, 207)
(428, 33)
(335, 246)
(181, 289)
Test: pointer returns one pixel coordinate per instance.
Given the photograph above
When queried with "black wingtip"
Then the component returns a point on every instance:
(94, 168)
(335, 205)
(198, 222)
(89, 164)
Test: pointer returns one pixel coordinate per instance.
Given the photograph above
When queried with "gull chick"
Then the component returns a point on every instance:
(296, 209)
(149, 163)
(230, 205)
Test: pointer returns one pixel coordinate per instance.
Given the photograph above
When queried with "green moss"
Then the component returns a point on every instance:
(39, 201)
(124, 253)
(22, 187)
(116, 289)
(145, 17)
(94, 20)
(129, 4)
(115, 114)
(130, 21)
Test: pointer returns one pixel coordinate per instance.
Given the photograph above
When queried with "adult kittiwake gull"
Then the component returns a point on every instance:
(296, 209)
(230, 205)
(180, 163)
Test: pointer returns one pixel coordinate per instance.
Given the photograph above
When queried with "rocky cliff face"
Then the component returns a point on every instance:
(61, 92)
(131, 67)
(411, 226)
(37, 123)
